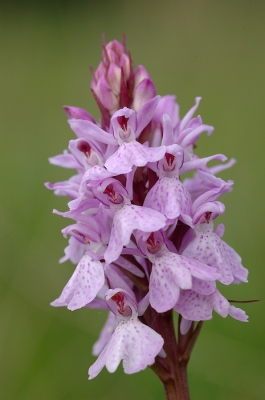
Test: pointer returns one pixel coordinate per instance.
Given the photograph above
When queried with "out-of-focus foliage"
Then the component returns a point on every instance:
(207, 48)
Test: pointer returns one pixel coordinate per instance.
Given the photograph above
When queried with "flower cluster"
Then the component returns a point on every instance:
(142, 238)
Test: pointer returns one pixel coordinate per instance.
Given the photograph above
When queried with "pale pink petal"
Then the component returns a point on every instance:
(144, 92)
(185, 325)
(194, 306)
(238, 314)
(203, 287)
(83, 286)
(105, 334)
(200, 162)
(89, 130)
(220, 304)
(134, 343)
(189, 114)
(65, 160)
(238, 270)
(208, 248)
(133, 154)
(127, 219)
(171, 198)
(145, 114)
(167, 276)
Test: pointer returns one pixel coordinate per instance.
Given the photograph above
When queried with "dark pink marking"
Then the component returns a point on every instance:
(122, 120)
(170, 159)
(84, 148)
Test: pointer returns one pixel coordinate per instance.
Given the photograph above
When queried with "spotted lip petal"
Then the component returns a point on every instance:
(194, 306)
(83, 286)
(134, 343)
(171, 198)
(208, 248)
(133, 154)
(127, 219)
(172, 272)
(197, 307)
(165, 281)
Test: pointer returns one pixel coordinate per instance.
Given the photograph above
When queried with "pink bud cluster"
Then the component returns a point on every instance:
(143, 238)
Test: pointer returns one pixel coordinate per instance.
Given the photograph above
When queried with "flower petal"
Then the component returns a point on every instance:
(238, 314)
(171, 198)
(134, 343)
(194, 306)
(220, 304)
(133, 154)
(127, 219)
(167, 276)
(89, 130)
(83, 286)
(208, 248)
(105, 334)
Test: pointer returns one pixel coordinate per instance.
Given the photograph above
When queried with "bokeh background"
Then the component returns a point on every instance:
(210, 48)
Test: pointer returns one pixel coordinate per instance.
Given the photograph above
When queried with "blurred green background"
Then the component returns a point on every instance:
(213, 49)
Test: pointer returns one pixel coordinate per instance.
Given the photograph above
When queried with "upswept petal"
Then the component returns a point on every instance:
(65, 160)
(117, 279)
(202, 182)
(198, 269)
(189, 114)
(198, 163)
(66, 188)
(94, 176)
(144, 91)
(87, 207)
(212, 194)
(83, 286)
(78, 113)
(167, 105)
(122, 262)
(168, 134)
(145, 114)
(190, 135)
(89, 130)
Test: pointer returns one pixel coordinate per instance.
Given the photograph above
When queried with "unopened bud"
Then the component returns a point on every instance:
(78, 113)
(144, 91)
